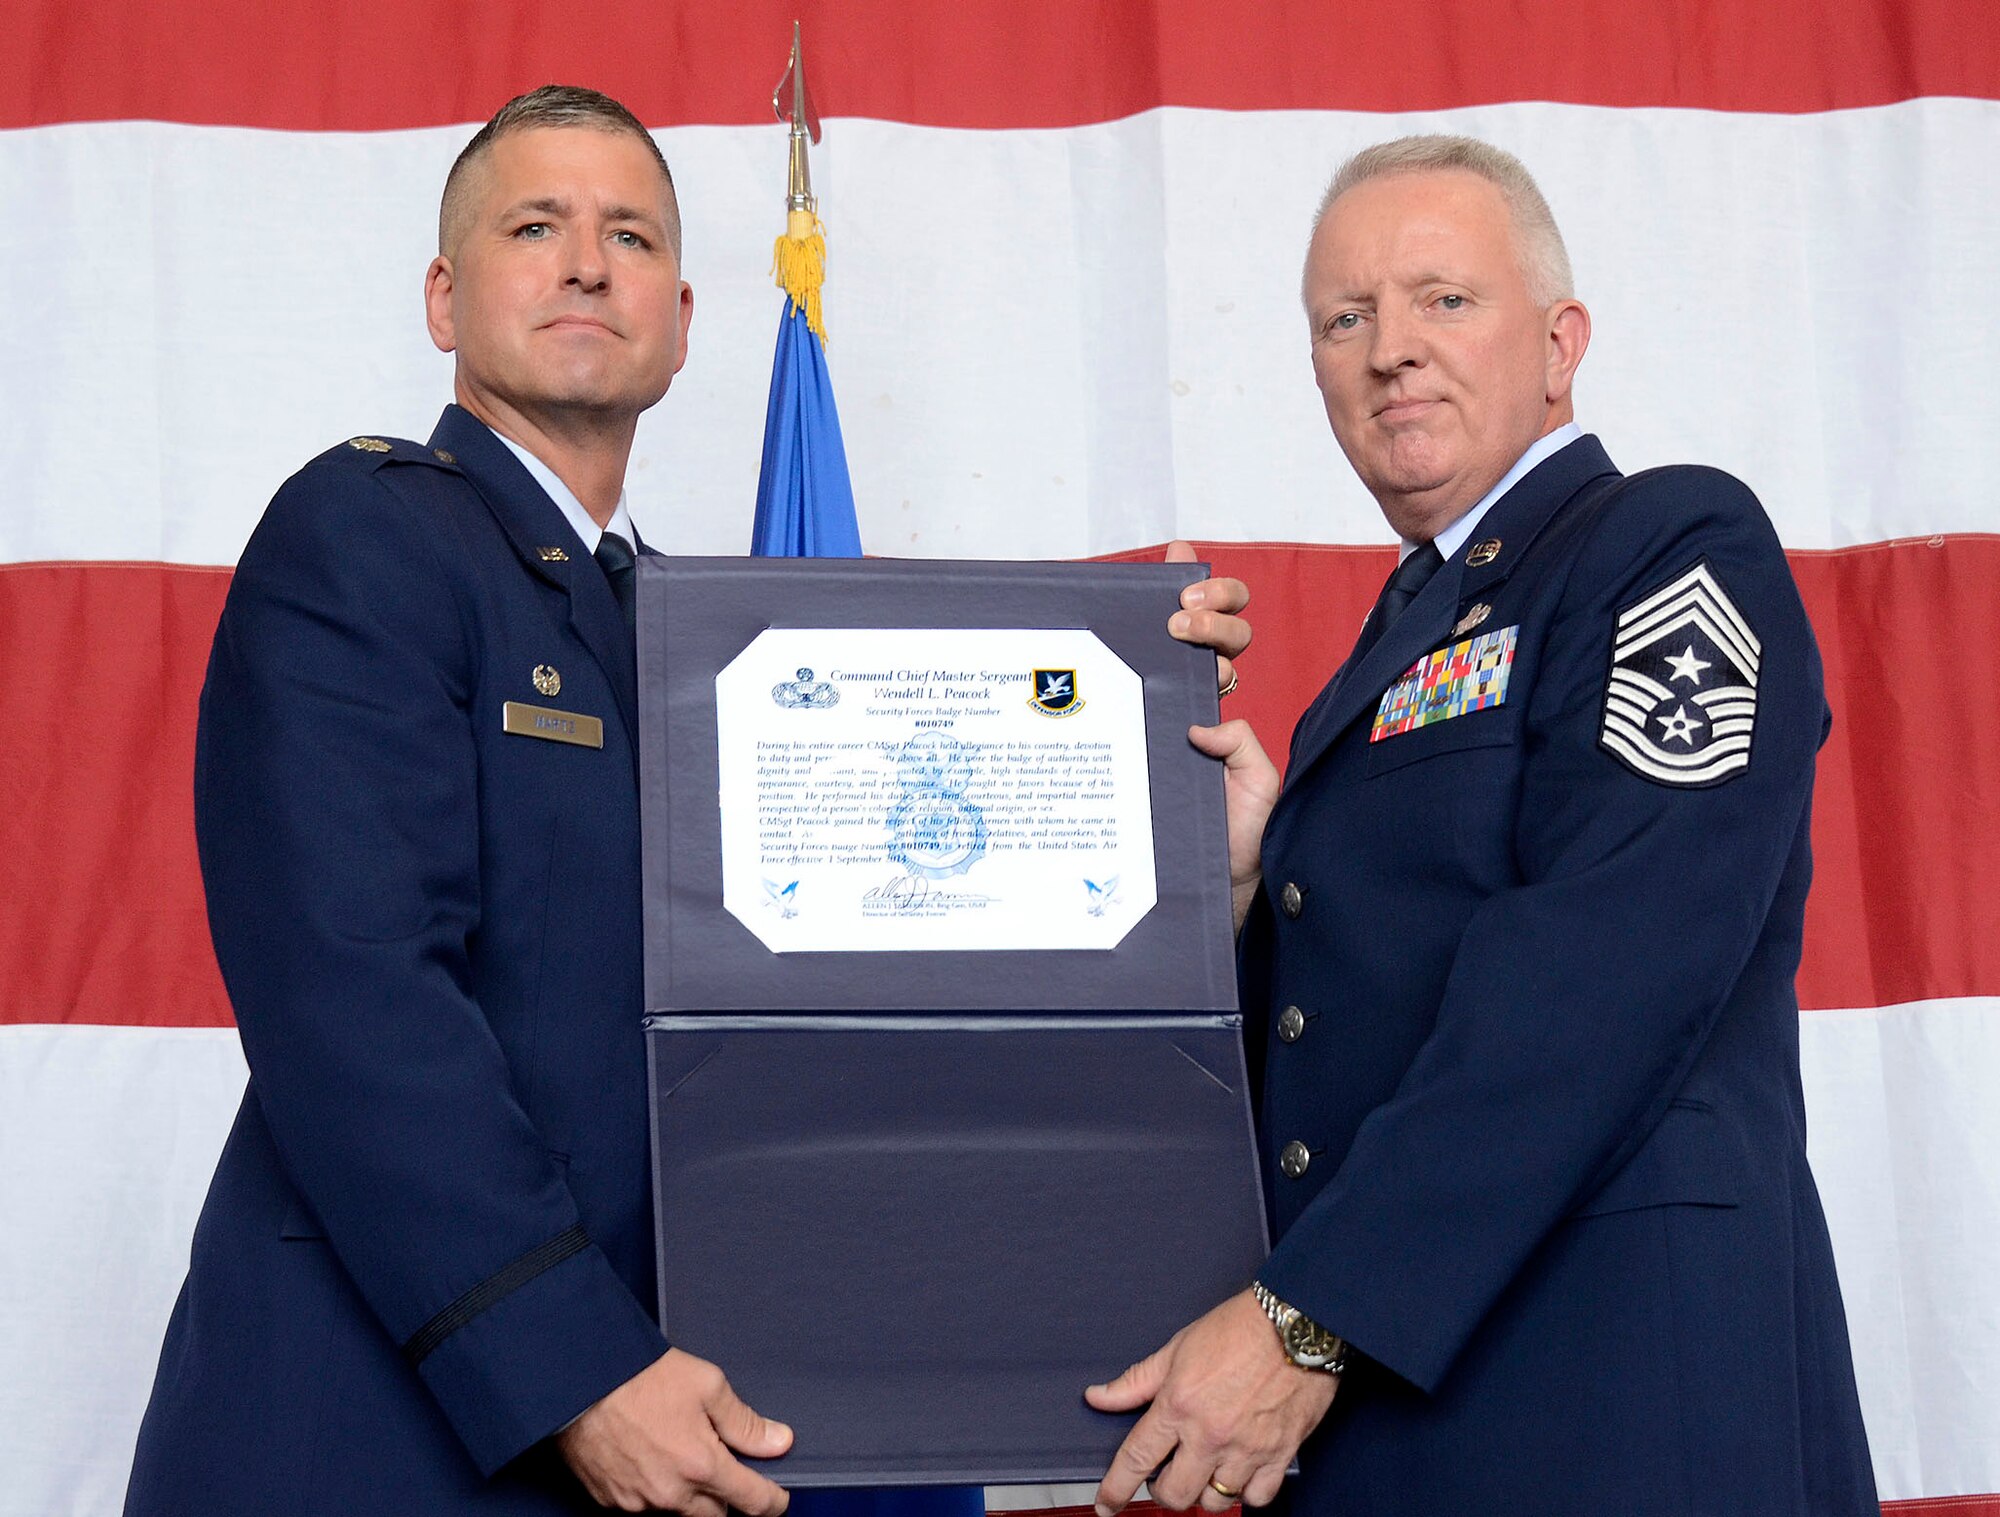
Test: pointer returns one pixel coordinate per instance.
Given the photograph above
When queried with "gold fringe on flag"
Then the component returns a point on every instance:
(798, 260)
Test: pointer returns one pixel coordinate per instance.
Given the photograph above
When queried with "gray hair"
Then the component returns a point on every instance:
(553, 105)
(1537, 240)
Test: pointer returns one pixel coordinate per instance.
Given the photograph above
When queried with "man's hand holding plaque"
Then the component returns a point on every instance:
(1210, 617)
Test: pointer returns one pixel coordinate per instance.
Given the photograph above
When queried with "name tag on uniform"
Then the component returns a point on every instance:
(1467, 676)
(523, 720)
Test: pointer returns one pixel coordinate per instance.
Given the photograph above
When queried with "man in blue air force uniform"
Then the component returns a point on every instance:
(423, 1280)
(1518, 943)
(428, 1245)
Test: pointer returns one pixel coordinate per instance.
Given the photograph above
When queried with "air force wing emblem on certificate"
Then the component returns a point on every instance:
(1681, 701)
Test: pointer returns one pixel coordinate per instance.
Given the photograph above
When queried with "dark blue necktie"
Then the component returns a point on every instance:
(1411, 575)
(614, 557)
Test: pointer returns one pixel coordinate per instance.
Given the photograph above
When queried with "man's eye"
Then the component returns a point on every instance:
(1346, 321)
(534, 231)
(1452, 302)
(629, 240)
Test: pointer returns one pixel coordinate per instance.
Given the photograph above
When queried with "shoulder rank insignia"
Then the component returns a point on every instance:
(368, 444)
(1681, 699)
(1467, 676)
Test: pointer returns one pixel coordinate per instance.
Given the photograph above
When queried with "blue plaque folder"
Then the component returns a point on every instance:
(913, 1202)
(916, 1239)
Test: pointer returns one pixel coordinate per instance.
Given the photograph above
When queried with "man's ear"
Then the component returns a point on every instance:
(438, 288)
(686, 317)
(1569, 335)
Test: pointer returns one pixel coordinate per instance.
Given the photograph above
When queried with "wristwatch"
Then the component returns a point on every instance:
(1305, 1342)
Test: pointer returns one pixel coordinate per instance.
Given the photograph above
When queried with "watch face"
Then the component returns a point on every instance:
(1307, 1343)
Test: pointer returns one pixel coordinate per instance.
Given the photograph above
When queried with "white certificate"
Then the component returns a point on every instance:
(928, 790)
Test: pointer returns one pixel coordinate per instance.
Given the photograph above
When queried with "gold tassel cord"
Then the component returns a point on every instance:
(798, 260)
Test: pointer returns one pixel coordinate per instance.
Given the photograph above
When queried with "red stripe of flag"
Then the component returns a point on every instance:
(105, 917)
(371, 65)
(1928, 1506)
(105, 920)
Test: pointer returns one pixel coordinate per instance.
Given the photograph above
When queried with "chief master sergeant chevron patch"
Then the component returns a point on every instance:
(1681, 700)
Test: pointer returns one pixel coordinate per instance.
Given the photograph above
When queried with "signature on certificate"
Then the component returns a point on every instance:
(902, 892)
(910, 894)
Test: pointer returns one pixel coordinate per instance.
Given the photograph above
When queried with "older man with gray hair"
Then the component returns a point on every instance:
(1518, 936)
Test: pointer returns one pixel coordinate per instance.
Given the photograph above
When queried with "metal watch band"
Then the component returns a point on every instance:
(1305, 1342)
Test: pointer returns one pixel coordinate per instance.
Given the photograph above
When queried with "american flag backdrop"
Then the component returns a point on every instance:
(1064, 249)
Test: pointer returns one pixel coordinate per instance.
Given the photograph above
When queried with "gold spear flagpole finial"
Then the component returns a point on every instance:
(803, 119)
(799, 260)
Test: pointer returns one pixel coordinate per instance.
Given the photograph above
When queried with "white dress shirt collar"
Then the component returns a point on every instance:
(571, 507)
(1453, 537)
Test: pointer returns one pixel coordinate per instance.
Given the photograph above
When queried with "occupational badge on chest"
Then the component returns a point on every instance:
(1681, 700)
(1467, 676)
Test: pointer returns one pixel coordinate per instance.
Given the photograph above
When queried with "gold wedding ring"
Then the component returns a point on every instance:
(1213, 1484)
(1228, 689)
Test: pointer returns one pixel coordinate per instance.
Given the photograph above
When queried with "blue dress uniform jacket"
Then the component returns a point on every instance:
(428, 1244)
(1521, 987)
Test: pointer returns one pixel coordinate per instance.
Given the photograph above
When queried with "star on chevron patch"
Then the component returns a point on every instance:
(1681, 701)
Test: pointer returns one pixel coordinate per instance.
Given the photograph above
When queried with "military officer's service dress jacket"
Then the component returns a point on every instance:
(428, 1243)
(1520, 983)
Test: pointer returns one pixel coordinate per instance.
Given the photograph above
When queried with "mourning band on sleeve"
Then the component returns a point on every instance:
(493, 1289)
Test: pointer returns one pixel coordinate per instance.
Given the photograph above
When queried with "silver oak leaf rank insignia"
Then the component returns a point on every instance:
(1681, 701)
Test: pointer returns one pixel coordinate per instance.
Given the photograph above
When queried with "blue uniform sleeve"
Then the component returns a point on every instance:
(338, 825)
(1580, 997)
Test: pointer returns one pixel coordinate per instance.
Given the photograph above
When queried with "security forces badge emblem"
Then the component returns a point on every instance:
(804, 693)
(1681, 701)
(1055, 692)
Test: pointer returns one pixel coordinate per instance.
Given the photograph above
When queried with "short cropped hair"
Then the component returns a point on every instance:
(1537, 239)
(553, 105)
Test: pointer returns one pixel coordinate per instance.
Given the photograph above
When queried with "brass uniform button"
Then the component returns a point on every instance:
(1291, 1024)
(1291, 900)
(1294, 1159)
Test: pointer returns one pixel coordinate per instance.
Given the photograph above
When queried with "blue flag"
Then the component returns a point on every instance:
(805, 505)
(805, 509)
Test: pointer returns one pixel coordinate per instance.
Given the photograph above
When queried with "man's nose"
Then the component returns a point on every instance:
(1398, 342)
(586, 267)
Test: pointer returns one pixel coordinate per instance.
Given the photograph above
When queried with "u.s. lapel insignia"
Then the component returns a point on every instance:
(1467, 676)
(1483, 553)
(1681, 701)
(547, 681)
(445, 455)
(368, 444)
(552, 555)
(1472, 618)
